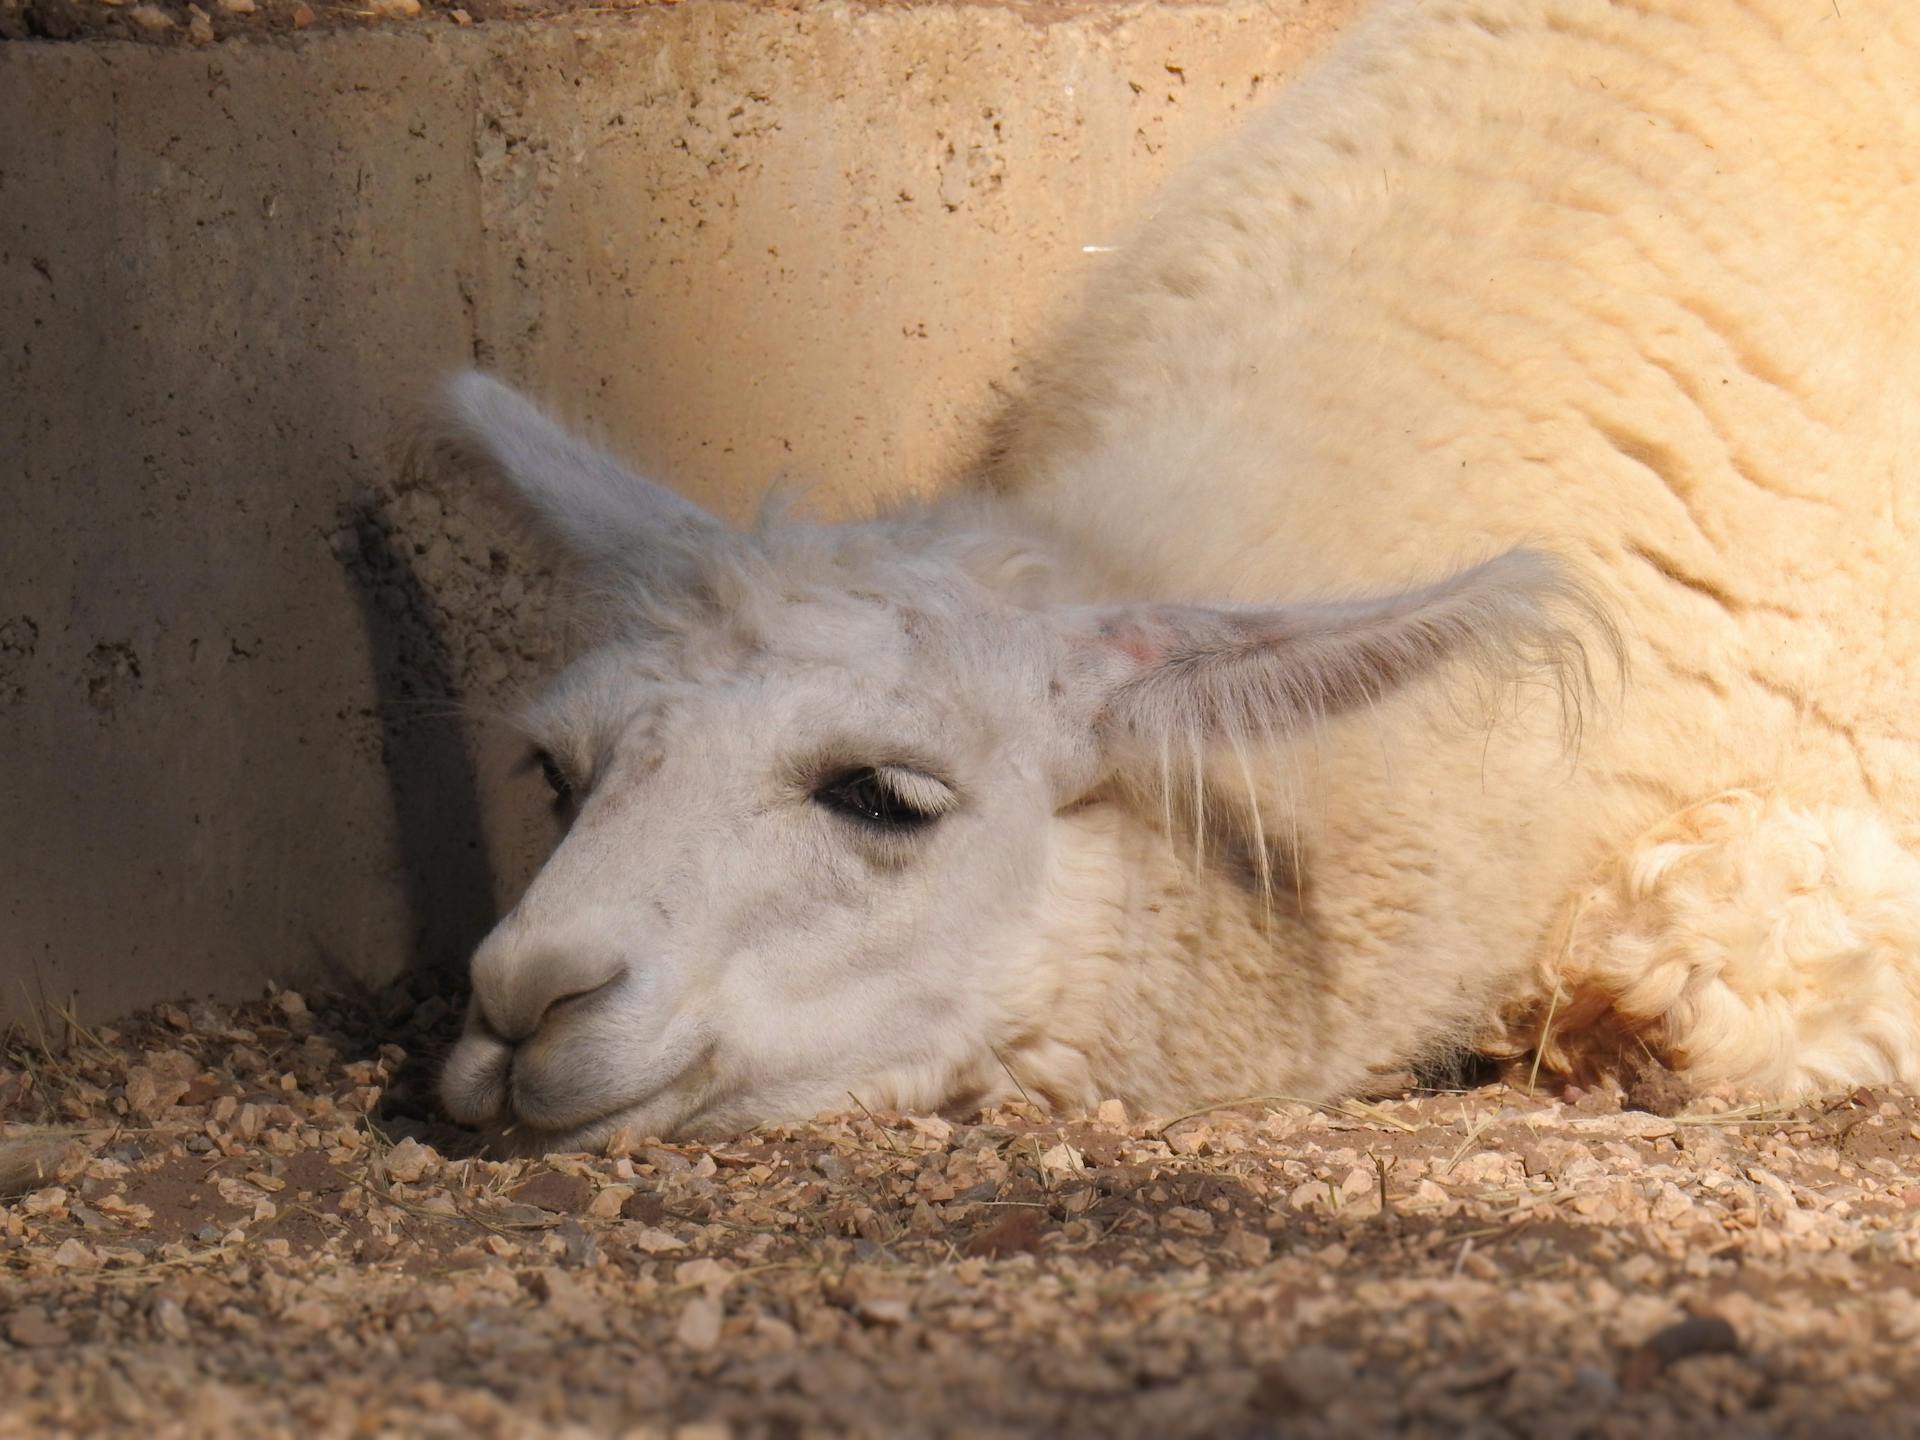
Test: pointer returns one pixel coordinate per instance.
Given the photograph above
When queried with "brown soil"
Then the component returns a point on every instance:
(249, 1224)
(186, 22)
(183, 22)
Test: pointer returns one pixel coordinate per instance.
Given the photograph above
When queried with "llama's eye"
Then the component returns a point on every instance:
(886, 798)
(557, 779)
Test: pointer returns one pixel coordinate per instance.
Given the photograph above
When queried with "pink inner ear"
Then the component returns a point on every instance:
(1131, 639)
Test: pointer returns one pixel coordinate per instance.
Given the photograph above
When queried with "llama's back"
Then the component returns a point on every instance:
(1632, 281)
(1573, 273)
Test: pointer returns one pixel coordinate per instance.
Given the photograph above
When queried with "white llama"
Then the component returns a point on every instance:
(1529, 361)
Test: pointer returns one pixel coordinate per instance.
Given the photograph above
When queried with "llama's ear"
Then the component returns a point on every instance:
(1169, 677)
(589, 504)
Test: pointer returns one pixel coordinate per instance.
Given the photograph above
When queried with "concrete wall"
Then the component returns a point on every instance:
(246, 674)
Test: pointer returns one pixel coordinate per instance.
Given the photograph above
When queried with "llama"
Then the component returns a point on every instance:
(1452, 585)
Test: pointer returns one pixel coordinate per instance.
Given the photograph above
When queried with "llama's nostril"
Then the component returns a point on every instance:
(518, 986)
(577, 996)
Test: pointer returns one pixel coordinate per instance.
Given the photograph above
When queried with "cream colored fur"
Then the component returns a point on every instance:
(1757, 942)
(1642, 282)
(1631, 285)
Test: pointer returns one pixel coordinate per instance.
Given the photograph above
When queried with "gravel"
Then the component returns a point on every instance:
(248, 1223)
(182, 22)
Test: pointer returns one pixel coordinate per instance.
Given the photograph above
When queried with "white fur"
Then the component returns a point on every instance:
(1761, 943)
(1242, 679)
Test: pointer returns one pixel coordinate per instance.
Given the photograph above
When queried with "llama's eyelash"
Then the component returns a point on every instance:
(557, 778)
(887, 798)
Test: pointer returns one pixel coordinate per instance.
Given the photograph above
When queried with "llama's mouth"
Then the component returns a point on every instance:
(657, 1118)
(529, 1121)
(539, 1098)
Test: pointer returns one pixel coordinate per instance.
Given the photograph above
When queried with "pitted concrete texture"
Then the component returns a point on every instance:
(249, 674)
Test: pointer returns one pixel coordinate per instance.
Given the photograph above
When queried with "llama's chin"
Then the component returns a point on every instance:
(544, 1096)
(660, 1118)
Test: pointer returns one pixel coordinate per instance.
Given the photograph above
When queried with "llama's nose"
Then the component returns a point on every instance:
(519, 978)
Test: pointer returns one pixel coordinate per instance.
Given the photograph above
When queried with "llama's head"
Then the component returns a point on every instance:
(814, 777)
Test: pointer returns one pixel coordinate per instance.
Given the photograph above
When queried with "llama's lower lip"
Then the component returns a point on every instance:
(520, 1117)
(529, 1098)
(646, 1117)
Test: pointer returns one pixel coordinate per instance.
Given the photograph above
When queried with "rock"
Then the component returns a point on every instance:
(50, 1203)
(1111, 1112)
(884, 1310)
(170, 1319)
(1190, 1141)
(657, 1242)
(204, 1090)
(1703, 1334)
(699, 1327)
(553, 1287)
(87, 1217)
(644, 1206)
(1656, 1090)
(611, 1202)
(1595, 1384)
(580, 1250)
(1310, 1195)
(155, 1088)
(1246, 1247)
(562, 1194)
(933, 1127)
(152, 18)
(665, 1161)
(514, 1216)
(1316, 1375)
(1016, 1232)
(32, 1328)
(1428, 1192)
(290, 1003)
(142, 1092)
(621, 1143)
(709, 1274)
(408, 1161)
(199, 26)
(1063, 1159)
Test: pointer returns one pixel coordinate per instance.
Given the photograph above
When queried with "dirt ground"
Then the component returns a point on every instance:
(184, 22)
(248, 1223)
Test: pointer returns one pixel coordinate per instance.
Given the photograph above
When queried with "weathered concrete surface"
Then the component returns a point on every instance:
(246, 673)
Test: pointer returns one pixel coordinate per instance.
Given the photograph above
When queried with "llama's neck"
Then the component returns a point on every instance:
(1160, 980)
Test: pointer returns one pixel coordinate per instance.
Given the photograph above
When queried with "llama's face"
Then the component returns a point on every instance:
(797, 868)
(813, 778)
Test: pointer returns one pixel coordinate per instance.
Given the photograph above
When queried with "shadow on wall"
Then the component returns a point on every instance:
(423, 751)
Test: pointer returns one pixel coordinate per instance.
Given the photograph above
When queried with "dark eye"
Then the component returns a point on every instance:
(886, 799)
(557, 779)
